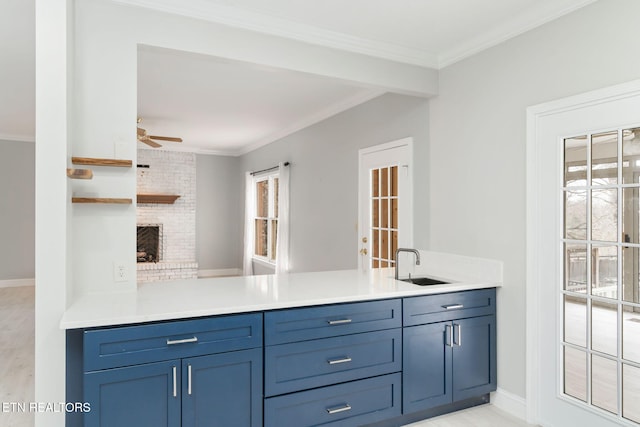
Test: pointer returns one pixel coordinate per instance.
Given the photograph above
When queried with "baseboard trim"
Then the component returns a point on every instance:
(13, 283)
(510, 403)
(219, 272)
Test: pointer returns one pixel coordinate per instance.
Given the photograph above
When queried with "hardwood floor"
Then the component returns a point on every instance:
(17, 369)
(17, 331)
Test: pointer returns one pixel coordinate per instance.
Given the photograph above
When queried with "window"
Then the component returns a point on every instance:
(266, 217)
(601, 289)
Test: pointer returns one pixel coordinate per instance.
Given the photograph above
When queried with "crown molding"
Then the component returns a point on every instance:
(518, 25)
(268, 24)
(17, 138)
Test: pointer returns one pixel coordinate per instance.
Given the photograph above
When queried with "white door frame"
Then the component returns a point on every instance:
(407, 202)
(538, 222)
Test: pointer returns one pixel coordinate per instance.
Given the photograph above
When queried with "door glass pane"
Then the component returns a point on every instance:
(575, 267)
(375, 183)
(384, 213)
(604, 383)
(394, 245)
(575, 217)
(604, 329)
(384, 244)
(394, 213)
(604, 158)
(630, 275)
(631, 333)
(630, 215)
(384, 182)
(604, 215)
(575, 161)
(575, 373)
(631, 392)
(630, 155)
(394, 181)
(375, 213)
(604, 271)
(575, 320)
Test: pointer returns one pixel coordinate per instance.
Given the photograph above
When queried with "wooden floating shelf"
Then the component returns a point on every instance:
(79, 173)
(101, 162)
(167, 199)
(103, 200)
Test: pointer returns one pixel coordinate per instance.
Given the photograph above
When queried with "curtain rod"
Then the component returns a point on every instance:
(268, 169)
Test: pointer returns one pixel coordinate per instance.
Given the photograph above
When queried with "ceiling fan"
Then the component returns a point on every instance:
(149, 139)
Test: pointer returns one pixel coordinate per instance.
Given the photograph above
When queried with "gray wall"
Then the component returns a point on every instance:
(219, 194)
(17, 210)
(324, 177)
(478, 137)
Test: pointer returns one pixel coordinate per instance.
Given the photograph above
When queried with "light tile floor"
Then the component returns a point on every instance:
(17, 369)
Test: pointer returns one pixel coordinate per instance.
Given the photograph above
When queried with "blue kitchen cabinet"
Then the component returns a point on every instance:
(453, 360)
(212, 374)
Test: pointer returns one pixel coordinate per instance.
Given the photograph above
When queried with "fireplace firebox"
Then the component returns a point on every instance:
(148, 242)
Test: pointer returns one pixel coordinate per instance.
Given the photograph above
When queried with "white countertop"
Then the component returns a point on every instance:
(205, 297)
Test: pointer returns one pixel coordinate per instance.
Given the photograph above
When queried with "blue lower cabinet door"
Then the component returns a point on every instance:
(135, 396)
(474, 357)
(426, 366)
(223, 390)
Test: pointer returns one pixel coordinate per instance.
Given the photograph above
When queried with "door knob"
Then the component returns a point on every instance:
(365, 240)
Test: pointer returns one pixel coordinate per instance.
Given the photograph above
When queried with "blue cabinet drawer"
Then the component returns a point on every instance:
(350, 404)
(449, 306)
(309, 364)
(330, 321)
(133, 345)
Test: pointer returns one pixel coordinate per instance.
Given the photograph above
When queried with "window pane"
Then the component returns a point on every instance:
(631, 393)
(261, 237)
(575, 373)
(604, 158)
(274, 238)
(384, 182)
(575, 217)
(631, 334)
(262, 199)
(604, 383)
(630, 274)
(575, 320)
(630, 215)
(575, 268)
(375, 184)
(275, 197)
(630, 155)
(604, 215)
(604, 271)
(604, 327)
(394, 181)
(575, 161)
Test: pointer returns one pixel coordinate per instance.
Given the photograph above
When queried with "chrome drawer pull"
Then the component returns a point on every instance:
(175, 382)
(189, 380)
(340, 321)
(452, 306)
(337, 361)
(184, 341)
(457, 341)
(339, 409)
(448, 336)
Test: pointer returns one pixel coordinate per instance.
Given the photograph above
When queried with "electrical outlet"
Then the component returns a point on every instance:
(120, 273)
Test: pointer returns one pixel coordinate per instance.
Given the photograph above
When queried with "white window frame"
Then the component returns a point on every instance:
(270, 177)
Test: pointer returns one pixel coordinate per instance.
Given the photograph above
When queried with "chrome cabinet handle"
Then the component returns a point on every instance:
(337, 410)
(452, 306)
(448, 335)
(175, 382)
(338, 361)
(189, 379)
(339, 322)
(184, 341)
(457, 337)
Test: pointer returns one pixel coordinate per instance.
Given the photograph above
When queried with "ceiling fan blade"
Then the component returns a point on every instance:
(141, 132)
(149, 142)
(166, 138)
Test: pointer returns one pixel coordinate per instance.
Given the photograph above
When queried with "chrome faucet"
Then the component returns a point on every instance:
(415, 251)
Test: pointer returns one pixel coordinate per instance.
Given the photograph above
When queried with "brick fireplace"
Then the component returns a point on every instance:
(174, 224)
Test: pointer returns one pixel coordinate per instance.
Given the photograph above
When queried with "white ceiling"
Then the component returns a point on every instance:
(258, 105)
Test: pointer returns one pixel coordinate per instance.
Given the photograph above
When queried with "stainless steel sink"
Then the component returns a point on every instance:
(424, 281)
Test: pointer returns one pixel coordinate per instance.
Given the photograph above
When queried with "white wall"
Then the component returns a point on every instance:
(478, 136)
(219, 213)
(17, 210)
(324, 177)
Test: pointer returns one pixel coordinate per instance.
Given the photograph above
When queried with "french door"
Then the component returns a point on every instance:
(385, 203)
(583, 255)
